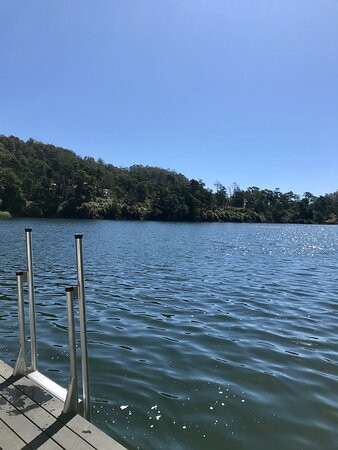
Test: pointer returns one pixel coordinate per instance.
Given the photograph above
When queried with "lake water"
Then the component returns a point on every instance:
(216, 336)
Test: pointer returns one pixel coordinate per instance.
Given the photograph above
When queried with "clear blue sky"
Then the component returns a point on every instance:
(228, 90)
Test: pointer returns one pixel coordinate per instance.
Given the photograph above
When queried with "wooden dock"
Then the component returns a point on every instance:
(32, 418)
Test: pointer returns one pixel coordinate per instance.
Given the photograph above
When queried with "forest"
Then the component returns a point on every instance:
(42, 180)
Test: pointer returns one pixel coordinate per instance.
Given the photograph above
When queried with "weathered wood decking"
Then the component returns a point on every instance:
(32, 418)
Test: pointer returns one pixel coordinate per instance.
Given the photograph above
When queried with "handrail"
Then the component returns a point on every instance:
(83, 326)
(72, 293)
(31, 299)
(72, 399)
(20, 367)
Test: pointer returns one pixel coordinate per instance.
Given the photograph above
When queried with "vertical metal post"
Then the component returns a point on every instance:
(72, 400)
(83, 326)
(32, 325)
(20, 365)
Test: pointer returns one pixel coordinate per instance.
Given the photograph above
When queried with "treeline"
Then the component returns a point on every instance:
(41, 180)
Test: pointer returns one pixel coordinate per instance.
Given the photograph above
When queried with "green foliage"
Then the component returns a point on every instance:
(41, 180)
(5, 215)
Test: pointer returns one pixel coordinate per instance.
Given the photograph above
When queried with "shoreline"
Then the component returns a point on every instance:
(163, 221)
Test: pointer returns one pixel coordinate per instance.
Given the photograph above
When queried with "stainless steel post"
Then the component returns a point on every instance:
(20, 367)
(32, 325)
(83, 327)
(72, 399)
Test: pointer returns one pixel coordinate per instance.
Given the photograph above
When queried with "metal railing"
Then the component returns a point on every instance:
(79, 294)
(83, 326)
(21, 367)
(69, 396)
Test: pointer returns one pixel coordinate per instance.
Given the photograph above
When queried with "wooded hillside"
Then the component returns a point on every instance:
(41, 180)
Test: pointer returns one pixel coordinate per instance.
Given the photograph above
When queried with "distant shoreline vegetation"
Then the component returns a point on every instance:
(5, 215)
(41, 180)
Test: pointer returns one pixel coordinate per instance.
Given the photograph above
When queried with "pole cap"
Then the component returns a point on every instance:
(28, 230)
(69, 289)
(18, 274)
(78, 236)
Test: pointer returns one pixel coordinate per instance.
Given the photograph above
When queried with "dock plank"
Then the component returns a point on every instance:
(5, 370)
(78, 424)
(24, 428)
(89, 434)
(93, 435)
(9, 440)
(43, 419)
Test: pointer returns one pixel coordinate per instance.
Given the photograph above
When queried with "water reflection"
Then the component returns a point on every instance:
(228, 329)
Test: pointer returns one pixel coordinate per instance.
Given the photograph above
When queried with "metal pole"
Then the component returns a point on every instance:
(83, 326)
(20, 365)
(72, 400)
(32, 326)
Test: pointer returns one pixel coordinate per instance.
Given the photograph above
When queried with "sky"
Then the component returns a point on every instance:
(239, 91)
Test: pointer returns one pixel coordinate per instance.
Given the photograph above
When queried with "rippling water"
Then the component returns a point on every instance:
(215, 336)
